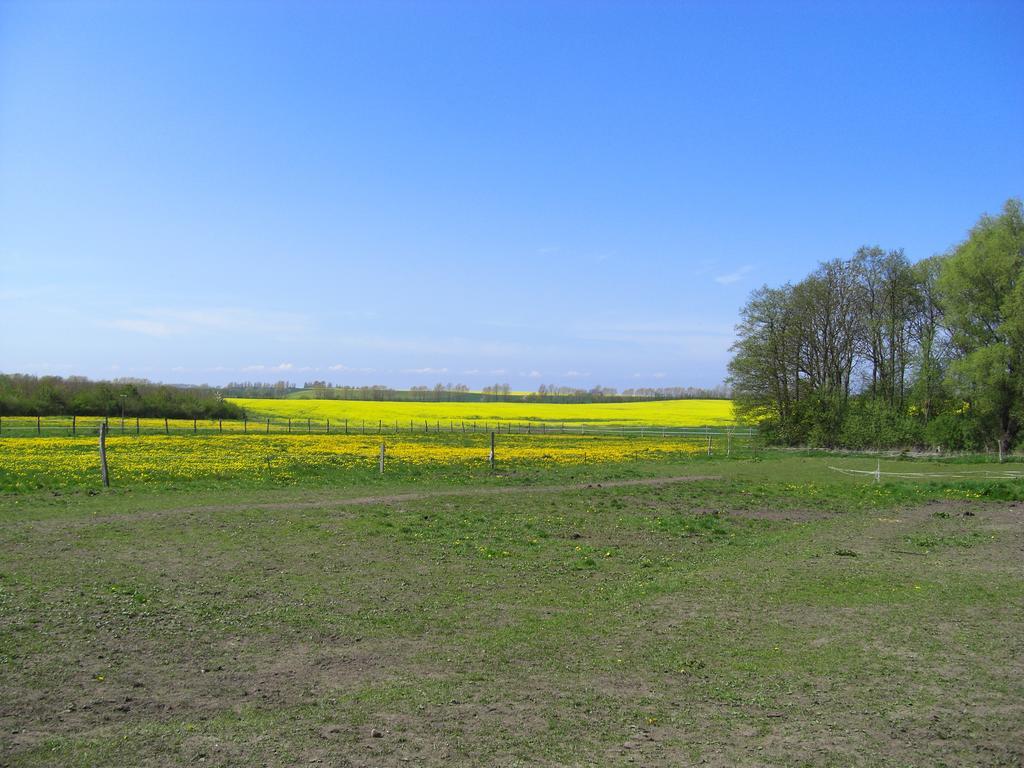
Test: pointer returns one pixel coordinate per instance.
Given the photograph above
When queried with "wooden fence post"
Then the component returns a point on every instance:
(39, 426)
(382, 457)
(328, 426)
(103, 455)
(195, 427)
(492, 451)
(74, 425)
(138, 429)
(167, 429)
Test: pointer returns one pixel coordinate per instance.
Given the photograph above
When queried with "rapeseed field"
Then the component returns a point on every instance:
(677, 413)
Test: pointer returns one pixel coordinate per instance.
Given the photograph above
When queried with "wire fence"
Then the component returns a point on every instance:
(964, 474)
(71, 426)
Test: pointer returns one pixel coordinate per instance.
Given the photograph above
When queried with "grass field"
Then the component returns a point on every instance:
(688, 413)
(654, 611)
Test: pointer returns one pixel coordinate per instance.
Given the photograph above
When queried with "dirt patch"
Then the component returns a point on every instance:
(780, 515)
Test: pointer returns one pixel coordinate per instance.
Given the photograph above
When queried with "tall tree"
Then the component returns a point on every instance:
(982, 285)
(930, 338)
(764, 370)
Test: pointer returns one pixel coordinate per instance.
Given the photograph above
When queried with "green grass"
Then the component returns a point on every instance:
(665, 624)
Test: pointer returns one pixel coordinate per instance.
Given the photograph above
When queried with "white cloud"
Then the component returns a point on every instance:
(145, 327)
(281, 367)
(161, 322)
(347, 369)
(425, 370)
(734, 277)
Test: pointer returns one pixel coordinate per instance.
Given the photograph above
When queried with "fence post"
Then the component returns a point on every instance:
(195, 427)
(167, 429)
(328, 426)
(309, 427)
(103, 455)
(492, 451)
(268, 426)
(346, 426)
(245, 424)
(382, 457)
(289, 426)
(138, 430)
(39, 426)
(220, 424)
(728, 442)
(380, 426)
(74, 426)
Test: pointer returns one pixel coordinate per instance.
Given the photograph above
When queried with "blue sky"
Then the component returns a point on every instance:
(404, 193)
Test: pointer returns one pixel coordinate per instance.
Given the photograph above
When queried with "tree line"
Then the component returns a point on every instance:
(23, 395)
(876, 351)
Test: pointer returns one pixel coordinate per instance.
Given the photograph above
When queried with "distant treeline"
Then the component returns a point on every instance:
(259, 389)
(874, 351)
(22, 395)
(460, 393)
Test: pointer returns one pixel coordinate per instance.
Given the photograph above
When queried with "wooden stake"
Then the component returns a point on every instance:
(492, 451)
(103, 455)
(382, 457)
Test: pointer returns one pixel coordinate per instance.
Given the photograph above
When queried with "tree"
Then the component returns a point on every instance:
(982, 288)
(764, 371)
(931, 339)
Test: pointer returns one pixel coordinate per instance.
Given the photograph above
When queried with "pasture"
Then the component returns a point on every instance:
(627, 610)
(689, 413)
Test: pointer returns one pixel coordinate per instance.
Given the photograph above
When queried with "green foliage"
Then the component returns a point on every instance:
(871, 422)
(875, 352)
(22, 395)
(982, 284)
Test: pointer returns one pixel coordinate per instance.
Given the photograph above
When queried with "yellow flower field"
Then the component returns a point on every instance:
(44, 462)
(688, 413)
